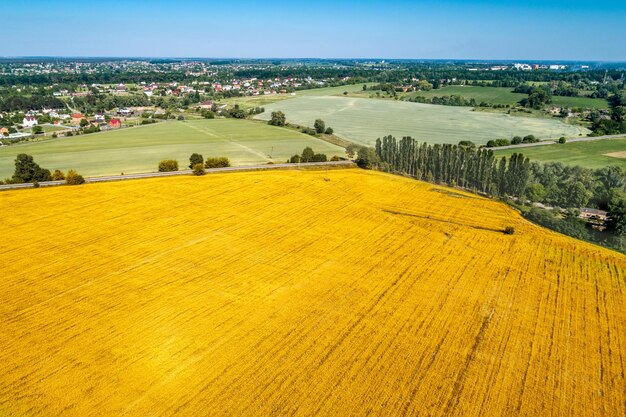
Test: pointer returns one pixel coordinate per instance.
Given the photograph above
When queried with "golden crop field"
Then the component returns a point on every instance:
(282, 294)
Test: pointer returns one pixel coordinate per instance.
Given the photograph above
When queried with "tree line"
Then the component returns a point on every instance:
(515, 177)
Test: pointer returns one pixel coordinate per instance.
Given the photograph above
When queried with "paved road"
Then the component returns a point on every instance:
(185, 172)
(550, 142)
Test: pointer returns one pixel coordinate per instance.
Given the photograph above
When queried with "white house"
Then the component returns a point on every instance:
(29, 121)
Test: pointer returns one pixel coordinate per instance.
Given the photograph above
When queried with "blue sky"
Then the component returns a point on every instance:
(455, 29)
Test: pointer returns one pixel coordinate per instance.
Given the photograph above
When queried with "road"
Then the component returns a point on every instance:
(550, 142)
(185, 172)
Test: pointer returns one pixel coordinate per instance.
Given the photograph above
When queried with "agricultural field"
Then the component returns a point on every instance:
(505, 95)
(139, 149)
(590, 154)
(364, 120)
(300, 293)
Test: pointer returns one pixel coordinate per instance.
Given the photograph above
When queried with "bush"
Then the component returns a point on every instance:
(219, 162)
(168, 165)
(509, 230)
(74, 178)
(295, 159)
(198, 169)
(181, 117)
(335, 158)
(58, 175)
(329, 131)
(562, 140)
(319, 157)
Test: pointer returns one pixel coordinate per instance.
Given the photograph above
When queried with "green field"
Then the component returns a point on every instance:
(590, 154)
(504, 95)
(140, 149)
(363, 120)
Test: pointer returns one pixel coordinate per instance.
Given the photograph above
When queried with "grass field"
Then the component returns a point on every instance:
(363, 120)
(505, 95)
(280, 293)
(140, 149)
(590, 154)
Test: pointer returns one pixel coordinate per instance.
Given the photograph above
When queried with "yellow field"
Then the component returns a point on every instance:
(279, 293)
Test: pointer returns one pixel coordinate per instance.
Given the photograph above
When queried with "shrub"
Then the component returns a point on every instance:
(219, 162)
(181, 117)
(168, 165)
(58, 175)
(509, 230)
(335, 158)
(198, 169)
(277, 119)
(74, 178)
(562, 140)
(329, 131)
(295, 159)
(319, 157)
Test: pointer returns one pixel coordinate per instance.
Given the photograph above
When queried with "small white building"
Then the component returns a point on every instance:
(29, 121)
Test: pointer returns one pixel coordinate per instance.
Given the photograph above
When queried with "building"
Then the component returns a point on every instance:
(115, 123)
(4, 131)
(29, 121)
(77, 117)
(99, 118)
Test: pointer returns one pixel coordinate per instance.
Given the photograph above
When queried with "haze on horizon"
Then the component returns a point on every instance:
(573, 30)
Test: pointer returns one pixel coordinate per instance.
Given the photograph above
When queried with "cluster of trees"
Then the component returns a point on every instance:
(28, 171)
(308, 156)
(616, 122)
(13, 103)
(494, 143)
(198, 164)
(538, 96)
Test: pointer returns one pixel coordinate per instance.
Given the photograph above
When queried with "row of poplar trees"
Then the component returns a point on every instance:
(456, 165)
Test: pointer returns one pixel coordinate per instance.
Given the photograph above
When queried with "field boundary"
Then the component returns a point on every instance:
(90, 180)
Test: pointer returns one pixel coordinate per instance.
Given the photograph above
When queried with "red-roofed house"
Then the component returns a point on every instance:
(77, 117)
(115, 123)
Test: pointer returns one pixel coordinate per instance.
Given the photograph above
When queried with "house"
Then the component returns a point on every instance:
(124, 112)
(148, 92)
(589, 213)
(4, 131)
(77, 117)
(115, 123)
(121, 88)
(29, 121)
(207, 105)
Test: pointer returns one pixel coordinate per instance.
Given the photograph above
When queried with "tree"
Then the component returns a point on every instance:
(74, 178)
(367, 158)
(27, 170)
(198, 169)
(296, 159)
(58, 175)
(617, 215)
(307, 154)
(84, 123)
(329, 131)
(319, 126)
(194, 159)
(37, 130)
(319, 157)
(278, 119)
(562, 140)
(577, 195)
(168, 165)
(535, 192)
